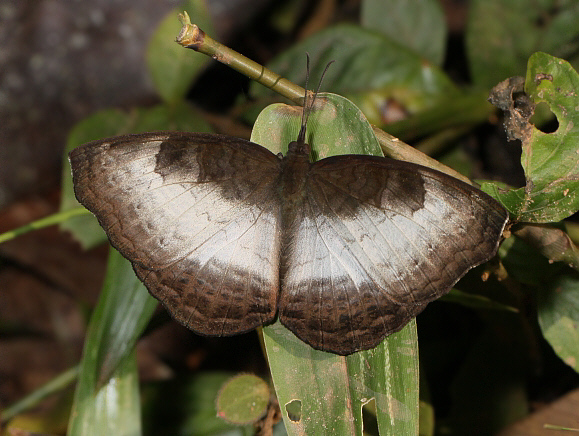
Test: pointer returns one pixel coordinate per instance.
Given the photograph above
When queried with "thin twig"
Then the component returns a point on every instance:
(191, 36)
(56, 384)
(558, 427)
(50, 220)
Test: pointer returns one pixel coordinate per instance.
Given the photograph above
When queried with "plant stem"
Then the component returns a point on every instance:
(558, 427)
(56, 384)
(191, 36)
(397, 149)
(50, 220)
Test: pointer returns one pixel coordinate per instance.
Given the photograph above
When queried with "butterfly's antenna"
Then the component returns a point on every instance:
(308, 109)
(302, 134)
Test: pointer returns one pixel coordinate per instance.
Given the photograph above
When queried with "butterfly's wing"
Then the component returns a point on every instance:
(374, 242)
(198, 217)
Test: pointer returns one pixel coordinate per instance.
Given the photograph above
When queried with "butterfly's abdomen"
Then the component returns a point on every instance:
(294, 174)
(295, 169)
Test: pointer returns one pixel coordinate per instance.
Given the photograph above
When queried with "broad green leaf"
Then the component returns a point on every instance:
(111, 122)
(559, 317)
(417, 24)
(552, 242)
(243, 399)
(550, 160)
(322, 393)
(365, 62)
(172, 68)
(501, 35)
(524, 263)
(465, 109)
(113, 407)
(334, 129)
(107, 397)
(185, 405)
(475, 301)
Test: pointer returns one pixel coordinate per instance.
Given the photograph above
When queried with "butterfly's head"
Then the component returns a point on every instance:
(298, 148)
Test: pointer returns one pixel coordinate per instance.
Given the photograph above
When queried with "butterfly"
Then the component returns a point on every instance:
(229, 236)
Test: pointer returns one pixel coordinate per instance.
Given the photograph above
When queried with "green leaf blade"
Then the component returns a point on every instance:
(107, 392)
(558, 313)
(417, 24)
(319, 392)
(501, 35)
(112, 409)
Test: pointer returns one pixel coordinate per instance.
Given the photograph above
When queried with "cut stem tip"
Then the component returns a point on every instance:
(191, 35)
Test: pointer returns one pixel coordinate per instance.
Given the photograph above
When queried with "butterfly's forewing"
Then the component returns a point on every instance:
(373, 243)
(198, 217)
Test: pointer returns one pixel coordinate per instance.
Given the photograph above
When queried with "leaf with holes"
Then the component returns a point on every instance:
(550, 160)
(323, 393)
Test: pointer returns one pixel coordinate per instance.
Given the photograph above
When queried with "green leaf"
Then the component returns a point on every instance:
(111, 122)
(365, 61)
(334, 129)
(185, 405)
(322, 393)
(524, 263)
(475, 301)
(550, 160)
(107, 398)
(417, 24)
(559, 317)
(552, 242)
(243, 399)
(466, 109)
(172, 68)
(318, 390)
(502, 34)
(113, 408)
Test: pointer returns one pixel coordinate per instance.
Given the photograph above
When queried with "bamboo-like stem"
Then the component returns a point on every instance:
(191, 36)
(397, 149)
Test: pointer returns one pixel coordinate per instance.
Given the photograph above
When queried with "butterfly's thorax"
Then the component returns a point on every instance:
(295, 168)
